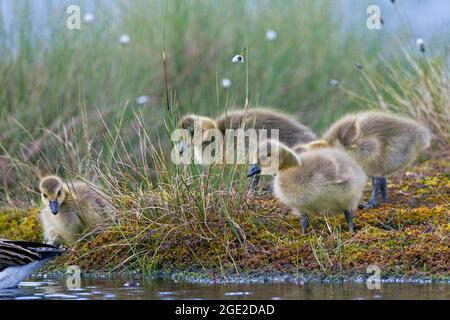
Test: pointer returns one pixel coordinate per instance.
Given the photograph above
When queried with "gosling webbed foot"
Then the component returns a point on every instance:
(349, 218)
(368, 205)
(304, 221)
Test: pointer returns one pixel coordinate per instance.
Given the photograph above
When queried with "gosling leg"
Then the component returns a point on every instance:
(376, 184)
(304, 221)
(383, 189)
(349, 217)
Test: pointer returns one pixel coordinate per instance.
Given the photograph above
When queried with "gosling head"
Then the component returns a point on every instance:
(318, 144)
(52, 192)
(195, 125)
(272, 156)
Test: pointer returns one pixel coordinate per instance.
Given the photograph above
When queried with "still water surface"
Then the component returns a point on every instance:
(119, 288)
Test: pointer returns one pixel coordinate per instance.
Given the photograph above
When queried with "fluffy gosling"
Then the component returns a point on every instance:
(381, 143)
(290, 131)
(313, 182)
(317, 144)
(70, 208)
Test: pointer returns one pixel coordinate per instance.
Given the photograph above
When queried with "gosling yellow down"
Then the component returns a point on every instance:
(381, 143)
(70, 208)
(322, 181)
(291, 132)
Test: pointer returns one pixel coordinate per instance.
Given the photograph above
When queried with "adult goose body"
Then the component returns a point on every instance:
(19, 259)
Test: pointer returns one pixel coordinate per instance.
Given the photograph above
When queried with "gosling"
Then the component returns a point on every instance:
(290, 132)
(70, 208)
(19, 259)
(381, 143)
(318, 181)
(317, 144)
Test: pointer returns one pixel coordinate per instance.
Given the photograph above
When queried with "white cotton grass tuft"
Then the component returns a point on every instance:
(226, 83)
(124, 39)
(334, 83)
(88, 17)
(421, 45)
(238, 59)
(142, 100)
(271, 35)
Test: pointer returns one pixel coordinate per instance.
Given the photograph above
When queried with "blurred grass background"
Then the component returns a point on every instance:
(68, 97)
(68, 106)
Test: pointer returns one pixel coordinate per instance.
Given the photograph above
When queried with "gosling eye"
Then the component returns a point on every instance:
(59, 193)
(45, 196)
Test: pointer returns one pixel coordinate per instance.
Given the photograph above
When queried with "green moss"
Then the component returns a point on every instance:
(20, 225)
(401, 237)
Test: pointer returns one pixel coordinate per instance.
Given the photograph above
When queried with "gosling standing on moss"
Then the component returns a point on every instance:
(381, 143)
(70, 208)
(318, 181)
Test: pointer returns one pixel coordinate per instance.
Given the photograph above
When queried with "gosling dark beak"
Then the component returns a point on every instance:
(254, 169)
(181, 148)
(54, 207)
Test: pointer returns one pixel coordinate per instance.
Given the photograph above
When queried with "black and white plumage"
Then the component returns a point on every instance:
(18, 260)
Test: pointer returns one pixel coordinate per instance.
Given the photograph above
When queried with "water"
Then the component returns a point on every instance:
(119, 288)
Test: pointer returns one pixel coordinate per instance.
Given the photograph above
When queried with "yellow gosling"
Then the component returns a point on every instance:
(291, 132)
(381, 143)
(70, 208)
(323, 181)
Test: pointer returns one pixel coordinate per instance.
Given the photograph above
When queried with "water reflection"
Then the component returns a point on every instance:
(118, 288)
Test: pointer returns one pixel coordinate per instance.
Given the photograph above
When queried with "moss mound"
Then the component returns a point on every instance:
(407, 237)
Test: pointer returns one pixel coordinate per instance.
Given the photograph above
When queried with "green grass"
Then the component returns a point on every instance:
(418, 86)
(68, 97)
(48, 82)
